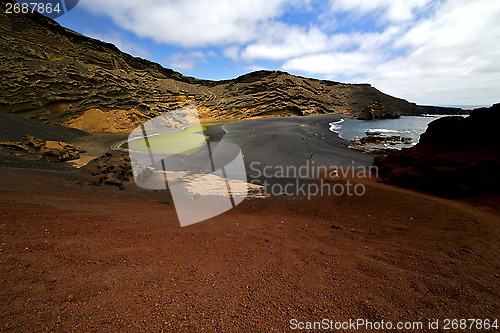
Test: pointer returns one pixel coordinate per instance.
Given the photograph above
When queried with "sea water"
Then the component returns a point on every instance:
(405, 126)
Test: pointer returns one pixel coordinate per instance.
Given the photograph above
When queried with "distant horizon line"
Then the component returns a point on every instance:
(466, 106)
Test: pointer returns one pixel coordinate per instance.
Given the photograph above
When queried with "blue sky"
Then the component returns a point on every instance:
(426, 51)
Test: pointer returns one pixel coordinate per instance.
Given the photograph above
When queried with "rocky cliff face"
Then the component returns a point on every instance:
(455, 157)
(52, 74)
(377, 110)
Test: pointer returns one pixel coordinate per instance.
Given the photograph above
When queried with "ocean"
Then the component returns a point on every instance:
(406, 126)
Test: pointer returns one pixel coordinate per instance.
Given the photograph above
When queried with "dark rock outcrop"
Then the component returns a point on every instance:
(33, 142)
(377, 110)
(456, 156)
(377, 138)
(15, 146)
(58, 76)
(112, 168)
(52, 151)
(55, 151)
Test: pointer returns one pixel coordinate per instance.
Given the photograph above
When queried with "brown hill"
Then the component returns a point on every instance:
(55, 75)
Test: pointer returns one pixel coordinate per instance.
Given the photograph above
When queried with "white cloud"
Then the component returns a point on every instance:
(283, 42)
(287, 42)
(450, 57)
(254, 68)
(390, 10)
(232, 52)
(119, 40)
(190, 23)
(333, 64)
(357, 53)
(187, 61)
(211, 53)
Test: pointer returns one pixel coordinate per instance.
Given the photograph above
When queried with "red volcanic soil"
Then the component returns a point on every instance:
(85, 258)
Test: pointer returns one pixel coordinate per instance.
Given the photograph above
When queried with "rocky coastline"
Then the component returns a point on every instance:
(455, 157)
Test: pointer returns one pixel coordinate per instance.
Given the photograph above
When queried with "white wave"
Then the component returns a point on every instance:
(336, 126)
(382, 130)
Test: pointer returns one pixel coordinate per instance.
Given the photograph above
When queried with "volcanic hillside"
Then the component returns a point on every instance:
(57, 76)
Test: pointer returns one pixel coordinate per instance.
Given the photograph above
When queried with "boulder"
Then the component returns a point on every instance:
(112, 168)
(56, 151)
(112, 179)
(377, 110)
(32, 142)
(379, 139)
(406, 140)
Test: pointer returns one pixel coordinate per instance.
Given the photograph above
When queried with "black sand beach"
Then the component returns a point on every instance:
(293, 151)
(291, 141)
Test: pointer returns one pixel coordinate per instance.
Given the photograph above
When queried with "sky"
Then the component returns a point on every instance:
(431, 52)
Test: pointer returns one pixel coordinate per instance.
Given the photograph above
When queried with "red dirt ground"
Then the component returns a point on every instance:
(84, 258)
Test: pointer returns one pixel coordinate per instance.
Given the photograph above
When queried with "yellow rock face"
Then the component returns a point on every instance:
(113, 121)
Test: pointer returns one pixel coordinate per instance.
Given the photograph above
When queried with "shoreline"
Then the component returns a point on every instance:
(290, 141)
(97, 144)
(95, 257)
